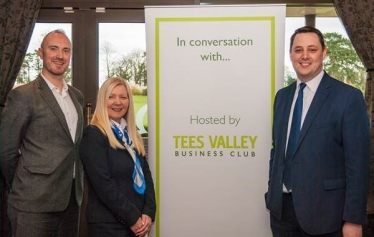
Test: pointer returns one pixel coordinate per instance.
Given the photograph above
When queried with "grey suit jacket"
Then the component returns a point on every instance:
(37, 153)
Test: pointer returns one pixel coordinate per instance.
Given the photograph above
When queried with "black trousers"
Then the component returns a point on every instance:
(46, 224)
(288, 226)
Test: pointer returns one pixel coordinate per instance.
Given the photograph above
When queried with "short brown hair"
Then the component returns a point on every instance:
(308, 29)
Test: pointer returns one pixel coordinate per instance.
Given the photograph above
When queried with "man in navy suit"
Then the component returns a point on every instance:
(329, 169)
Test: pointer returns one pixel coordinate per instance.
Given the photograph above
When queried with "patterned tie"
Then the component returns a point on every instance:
(293, 137)
(125, 133)
(137, 175)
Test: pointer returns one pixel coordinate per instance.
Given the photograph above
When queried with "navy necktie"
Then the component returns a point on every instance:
(293, 137)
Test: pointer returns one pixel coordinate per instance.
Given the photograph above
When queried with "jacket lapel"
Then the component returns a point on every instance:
(320, 97)
(79, 109)
(51, 101)
(286, 113)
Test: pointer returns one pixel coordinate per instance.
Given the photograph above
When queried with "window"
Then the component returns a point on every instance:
(123, 31)
(122, 53)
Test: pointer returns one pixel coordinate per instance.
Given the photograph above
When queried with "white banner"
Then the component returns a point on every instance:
(212, 76)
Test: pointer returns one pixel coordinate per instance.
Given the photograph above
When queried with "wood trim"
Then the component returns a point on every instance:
(139, 4)
(134, 4)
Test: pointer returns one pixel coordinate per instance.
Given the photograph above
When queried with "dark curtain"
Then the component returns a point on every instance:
(17, 21)
(357, 17)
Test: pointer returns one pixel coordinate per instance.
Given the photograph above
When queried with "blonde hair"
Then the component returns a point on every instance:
(101, 118)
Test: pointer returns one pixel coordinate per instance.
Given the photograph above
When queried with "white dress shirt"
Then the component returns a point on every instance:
(67, 106)
(308, 95)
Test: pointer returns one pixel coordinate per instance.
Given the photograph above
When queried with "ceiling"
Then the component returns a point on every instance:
(295, 8)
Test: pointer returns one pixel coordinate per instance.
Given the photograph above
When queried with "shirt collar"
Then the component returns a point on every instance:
(122, 124)
(314, 83)
(52, 87)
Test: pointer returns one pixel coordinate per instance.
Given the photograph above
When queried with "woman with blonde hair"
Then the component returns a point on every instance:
(121, 199)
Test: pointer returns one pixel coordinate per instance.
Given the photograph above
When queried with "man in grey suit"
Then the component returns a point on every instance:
(40, 130)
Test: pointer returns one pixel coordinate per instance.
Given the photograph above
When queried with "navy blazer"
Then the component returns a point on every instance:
(331, 164)
(111, 196)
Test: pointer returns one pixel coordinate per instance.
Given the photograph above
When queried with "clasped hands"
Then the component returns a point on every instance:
(142, 226)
